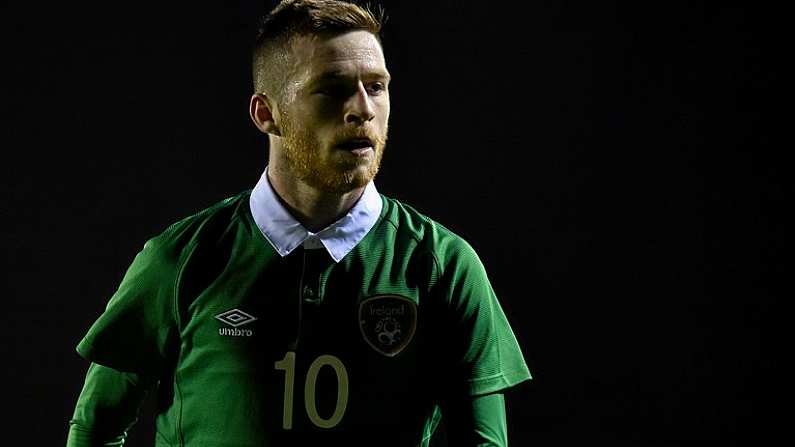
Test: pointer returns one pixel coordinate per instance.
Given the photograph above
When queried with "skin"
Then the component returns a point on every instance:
(318, 181)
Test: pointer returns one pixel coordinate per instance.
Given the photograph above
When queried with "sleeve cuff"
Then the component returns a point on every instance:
(497, 382)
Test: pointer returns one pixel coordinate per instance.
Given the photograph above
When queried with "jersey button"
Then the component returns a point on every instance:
(309, 293)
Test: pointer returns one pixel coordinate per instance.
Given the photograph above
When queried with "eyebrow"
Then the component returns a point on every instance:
(336, 75)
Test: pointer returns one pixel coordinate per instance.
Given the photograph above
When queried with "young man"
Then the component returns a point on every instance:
(310, 310)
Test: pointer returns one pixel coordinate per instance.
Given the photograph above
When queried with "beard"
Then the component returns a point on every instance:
(329, 169)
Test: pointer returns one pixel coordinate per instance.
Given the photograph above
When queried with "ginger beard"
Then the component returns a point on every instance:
(328, 169)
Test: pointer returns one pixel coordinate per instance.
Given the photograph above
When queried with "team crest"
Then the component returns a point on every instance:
(388, 323)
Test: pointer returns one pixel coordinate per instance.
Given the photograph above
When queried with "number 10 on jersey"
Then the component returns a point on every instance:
(287, 364)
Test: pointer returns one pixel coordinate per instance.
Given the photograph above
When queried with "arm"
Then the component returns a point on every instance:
(477, 421)
(107, 407)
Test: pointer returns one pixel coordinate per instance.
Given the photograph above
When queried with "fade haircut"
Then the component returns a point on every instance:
(291, 19)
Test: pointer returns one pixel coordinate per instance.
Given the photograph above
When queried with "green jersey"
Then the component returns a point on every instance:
(256, 348)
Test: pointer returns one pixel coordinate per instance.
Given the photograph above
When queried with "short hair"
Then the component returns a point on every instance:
(294, 18)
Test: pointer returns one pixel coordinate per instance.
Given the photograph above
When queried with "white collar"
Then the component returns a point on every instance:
(285, 233)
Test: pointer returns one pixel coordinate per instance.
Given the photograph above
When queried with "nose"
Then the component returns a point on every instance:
(359, 108)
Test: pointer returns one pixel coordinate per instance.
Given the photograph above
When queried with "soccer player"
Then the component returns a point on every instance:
(310, 309)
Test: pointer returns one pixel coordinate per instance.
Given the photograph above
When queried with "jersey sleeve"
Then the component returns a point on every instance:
(107, 408)
(484, 355)
(138, 326)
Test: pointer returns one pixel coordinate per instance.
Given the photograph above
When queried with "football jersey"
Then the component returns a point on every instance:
(258, 349)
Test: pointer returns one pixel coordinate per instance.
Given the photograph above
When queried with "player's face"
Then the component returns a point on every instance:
(335, 115)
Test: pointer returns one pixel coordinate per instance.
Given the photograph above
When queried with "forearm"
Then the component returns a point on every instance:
(107, 407)
(476, 421)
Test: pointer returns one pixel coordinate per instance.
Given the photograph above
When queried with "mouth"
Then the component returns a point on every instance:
(357, 146)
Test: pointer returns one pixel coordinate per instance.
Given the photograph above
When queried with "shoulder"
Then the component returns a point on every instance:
(207, 226)
(444, 244)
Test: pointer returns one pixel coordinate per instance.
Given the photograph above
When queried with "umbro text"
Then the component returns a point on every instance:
(235, 332)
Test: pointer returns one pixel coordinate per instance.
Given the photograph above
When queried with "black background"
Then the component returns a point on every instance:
(616, 166)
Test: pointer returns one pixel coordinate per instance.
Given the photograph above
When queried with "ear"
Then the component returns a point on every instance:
(261, 114)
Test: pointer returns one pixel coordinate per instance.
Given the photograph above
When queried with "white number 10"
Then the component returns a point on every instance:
(287, 364)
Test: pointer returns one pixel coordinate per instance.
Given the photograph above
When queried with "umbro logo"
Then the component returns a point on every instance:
(235, 318)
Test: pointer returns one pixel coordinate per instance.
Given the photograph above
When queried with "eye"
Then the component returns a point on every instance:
(333, 90)
(376, 88)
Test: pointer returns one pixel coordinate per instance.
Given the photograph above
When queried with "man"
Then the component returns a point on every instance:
(310, 310)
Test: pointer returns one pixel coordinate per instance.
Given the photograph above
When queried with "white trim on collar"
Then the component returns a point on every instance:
(285, 233)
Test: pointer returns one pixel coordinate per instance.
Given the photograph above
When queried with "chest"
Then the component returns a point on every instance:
(374, 317)
(317, 343)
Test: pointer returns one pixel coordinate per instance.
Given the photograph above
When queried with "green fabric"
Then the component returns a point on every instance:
(478, 421)
(224, 376)
(107, 407)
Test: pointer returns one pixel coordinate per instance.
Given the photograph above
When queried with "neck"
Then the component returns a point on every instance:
(314, 209)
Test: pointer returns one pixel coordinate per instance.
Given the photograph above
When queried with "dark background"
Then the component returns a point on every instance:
(616, 166)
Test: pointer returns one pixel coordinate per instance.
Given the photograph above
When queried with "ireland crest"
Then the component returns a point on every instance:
(388, 322)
